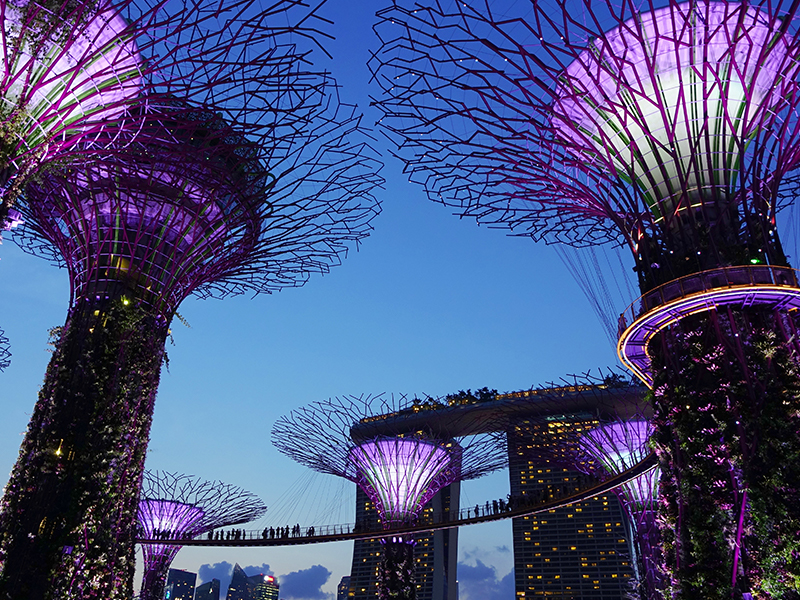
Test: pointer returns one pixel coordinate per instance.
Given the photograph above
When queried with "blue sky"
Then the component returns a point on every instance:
(429, 304)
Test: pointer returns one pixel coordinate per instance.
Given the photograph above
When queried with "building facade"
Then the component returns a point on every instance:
(207, 591)
(435, 555)
(252, 587)
(580, 551)
(180, 585)
(343, 588)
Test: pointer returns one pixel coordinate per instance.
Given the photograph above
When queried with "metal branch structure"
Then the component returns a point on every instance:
(174, 506)
(268, 180)
(400, 459)
(672, 129)
(5, 352)
(616, 445)
(73, 70)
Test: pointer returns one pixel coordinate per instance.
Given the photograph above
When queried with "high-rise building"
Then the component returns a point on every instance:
(580, 551)
(252, 587)
(180, 585)
(207, 591)
(343, 588)
(435, 554)
(577, 552)
(266, 589)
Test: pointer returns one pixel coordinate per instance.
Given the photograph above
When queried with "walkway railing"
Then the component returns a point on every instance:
(713, 279)
(317, 534)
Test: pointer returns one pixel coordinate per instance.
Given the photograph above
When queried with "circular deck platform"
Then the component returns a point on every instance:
(772, 287)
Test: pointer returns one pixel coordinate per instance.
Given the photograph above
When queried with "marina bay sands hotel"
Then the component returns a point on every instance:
(580, 551)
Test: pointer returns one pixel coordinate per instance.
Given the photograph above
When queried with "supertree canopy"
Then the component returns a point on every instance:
(671, 129)
(615, 446)
(398, 459)
(266, 183)
(183, 507)
(71, 71)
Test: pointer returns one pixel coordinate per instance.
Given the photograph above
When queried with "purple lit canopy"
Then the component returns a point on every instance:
(72, 70)
(670, 99)
(402, 474)
(620, 445)
(591, 122)
(377, 442)
(181, 507)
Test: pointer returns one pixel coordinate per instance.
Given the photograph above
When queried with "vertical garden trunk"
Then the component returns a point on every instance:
(68, 516)
(396, 575)
(727, 398)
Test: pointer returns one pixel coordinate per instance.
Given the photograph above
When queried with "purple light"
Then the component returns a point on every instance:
(671, 98)
(400, 475)
(633, 342)
(620, 446)
(93, 73)
(159, 516)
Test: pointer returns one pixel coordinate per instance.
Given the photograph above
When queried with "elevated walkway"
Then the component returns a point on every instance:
(468, 516)
(756, 285)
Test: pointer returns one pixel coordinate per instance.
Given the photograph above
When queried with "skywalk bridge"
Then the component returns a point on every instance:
(466, 516)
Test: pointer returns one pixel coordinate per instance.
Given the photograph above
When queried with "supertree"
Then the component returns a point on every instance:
(71, 69)
(546, 455)
(619, 442)
(671, 130)
(194, 206)
(178, 507)
(399, 460)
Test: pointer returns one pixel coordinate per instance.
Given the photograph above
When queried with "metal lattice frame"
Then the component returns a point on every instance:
(370, 440)
(400, 462)
(195, 206)
(183, 507)
(73, 70)
(672, 129)
(326, 436)
(5, 352)
(544, 124)
(213, 195)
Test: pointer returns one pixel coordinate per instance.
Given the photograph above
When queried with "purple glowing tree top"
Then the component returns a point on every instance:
(618, 446)
(182, 507)
(670, 129)
(670, 100)
(402, 474)
(613, 447)
(72, 70)
(197, 206)
(378, 443)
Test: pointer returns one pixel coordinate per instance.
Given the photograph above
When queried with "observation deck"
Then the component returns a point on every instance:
(741, 287)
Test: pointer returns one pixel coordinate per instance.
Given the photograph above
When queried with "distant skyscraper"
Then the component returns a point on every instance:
(580, 551)
(435, 555)
(180, 585)
(207, 591)
(343, 588)
(266, 589)
(252, 587)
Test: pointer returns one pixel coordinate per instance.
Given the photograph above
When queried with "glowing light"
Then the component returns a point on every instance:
(619, 446)
(92, 73)
(670, 100)
(401, 474)
(167, 515)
